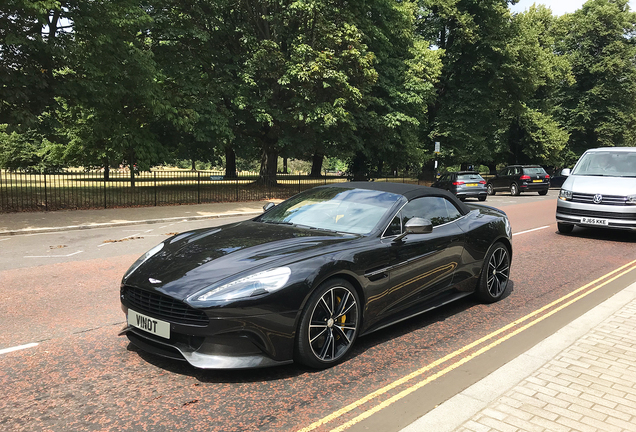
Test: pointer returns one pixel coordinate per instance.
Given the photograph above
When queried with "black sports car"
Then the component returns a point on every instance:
(303, 280)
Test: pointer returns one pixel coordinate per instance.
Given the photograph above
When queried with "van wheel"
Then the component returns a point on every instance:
(564, 228)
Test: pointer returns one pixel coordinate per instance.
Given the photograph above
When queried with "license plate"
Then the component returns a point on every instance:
(537, 181)
(149, 324)
(471, 184)
(594, 221)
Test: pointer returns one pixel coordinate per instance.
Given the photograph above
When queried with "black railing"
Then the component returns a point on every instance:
(21, 191)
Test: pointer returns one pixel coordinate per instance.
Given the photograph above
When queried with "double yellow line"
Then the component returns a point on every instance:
(566, 301)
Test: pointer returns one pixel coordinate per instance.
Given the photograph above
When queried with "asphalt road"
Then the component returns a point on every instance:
(60, 291)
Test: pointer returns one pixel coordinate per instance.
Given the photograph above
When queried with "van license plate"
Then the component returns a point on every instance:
(149, 324)
(594, 221)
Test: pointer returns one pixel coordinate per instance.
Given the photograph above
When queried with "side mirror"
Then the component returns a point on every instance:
(416, 226)
(565, 172)
(268, 206)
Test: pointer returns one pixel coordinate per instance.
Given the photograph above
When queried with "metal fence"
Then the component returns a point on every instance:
(23, 192)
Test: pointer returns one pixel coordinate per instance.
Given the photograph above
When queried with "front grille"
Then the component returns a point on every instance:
(597, 214)
(163, 307)
(607, 199)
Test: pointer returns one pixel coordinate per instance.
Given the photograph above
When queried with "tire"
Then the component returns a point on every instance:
(490, 190)
(514, 189)
(329, 325)
(565, 228)
(495, 274)
(482, 198)
(462, 199)
(545, 192)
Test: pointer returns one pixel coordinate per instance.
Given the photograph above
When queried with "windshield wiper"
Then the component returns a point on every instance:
(276, 222)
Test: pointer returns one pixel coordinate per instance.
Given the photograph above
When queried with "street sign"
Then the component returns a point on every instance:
(437, 147)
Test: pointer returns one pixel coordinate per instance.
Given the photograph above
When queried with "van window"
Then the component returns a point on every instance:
(607, 163)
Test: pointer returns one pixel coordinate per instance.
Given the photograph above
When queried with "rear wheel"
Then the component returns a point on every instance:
(482, 198)
(565, 228)
(490, 189)
(495, 274)
(329, 325)
(543, 192)
(514, 189)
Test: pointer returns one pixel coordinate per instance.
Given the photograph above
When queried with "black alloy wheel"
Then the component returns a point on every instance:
(495, 274)
(329, 325)
(514, 189)
(565, 228)
(490, 190)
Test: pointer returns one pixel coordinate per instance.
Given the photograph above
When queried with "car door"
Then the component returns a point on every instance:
(422, 265)
(500, 182)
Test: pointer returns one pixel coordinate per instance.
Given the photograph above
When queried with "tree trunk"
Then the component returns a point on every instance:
(380, 172)
(285, 166)
(230, 163)
(316, 165)
(492, 167)
(194, 165)
(269, 165)
(358, 167)
(106, 171)
(131, 166)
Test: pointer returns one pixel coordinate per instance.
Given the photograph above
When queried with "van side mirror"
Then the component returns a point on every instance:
(268, 206)
(565, 172)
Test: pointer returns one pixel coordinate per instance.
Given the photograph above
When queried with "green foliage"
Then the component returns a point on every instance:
(600, 109)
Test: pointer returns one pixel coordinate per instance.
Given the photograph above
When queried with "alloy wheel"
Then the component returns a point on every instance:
(498, 272)
(333, 324)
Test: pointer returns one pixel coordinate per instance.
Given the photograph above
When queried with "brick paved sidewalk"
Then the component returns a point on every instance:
(588, 386)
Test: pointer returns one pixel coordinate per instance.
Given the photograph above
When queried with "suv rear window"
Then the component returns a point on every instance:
(469, 177)
(537, 170)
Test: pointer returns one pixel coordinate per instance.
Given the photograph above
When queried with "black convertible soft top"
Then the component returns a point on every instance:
(409, 191)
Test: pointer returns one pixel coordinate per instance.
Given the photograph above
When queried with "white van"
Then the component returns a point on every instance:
(600, 191)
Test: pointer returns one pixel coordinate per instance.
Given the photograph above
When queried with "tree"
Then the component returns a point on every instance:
(600, 108)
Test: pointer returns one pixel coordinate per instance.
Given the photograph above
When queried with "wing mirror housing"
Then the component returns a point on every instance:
(416, 226)
(565, 172)
(268, 206)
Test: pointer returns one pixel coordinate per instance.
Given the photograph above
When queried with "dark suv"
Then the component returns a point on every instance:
(520, 178)
(464, 184)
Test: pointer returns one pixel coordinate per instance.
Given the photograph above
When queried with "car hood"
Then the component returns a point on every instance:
(194, 260)
(621, 186)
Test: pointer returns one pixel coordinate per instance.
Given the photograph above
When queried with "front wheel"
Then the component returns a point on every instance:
(495, 274)
(514, 189)
(490, 190)
(329, 325)
(564, 228)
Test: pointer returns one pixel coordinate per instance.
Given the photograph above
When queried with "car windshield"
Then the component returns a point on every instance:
(355, 211)
(607, 163)
(465, 177)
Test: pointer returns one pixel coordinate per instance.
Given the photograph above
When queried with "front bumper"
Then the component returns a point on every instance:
(225, 343)
(618, 217)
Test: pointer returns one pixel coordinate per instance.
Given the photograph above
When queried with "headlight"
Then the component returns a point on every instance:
(565, 195)
(258, 283)
(142, 259)
(631, 199)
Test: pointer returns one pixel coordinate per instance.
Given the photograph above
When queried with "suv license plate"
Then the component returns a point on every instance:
(149, 324)
(594, 221)
(537, 181)
(471, 184)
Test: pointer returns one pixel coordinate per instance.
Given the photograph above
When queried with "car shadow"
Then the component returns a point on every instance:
(282, 372)
(614, 235)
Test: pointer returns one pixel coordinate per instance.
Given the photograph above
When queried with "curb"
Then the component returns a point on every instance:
(23, 231)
